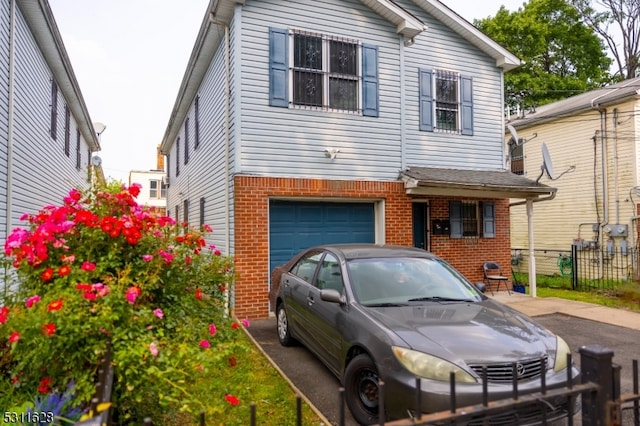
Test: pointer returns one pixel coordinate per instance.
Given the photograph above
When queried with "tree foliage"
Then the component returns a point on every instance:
(616, 20)
(562, 56)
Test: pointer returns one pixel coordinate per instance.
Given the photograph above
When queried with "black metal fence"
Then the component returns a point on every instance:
(579, 268)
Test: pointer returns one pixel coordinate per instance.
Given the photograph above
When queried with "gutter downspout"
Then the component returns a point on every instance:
(227, 139)
(603, 150)
(532, 258)
(11, 112)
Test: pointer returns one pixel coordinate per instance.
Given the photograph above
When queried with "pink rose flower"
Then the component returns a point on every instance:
(158, 312)
(205, 344)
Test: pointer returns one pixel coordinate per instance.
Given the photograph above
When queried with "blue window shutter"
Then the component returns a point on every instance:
(370, 80)
(426, 100)
(278, 67)
(488, 220)
(467, 104)
(455, 219)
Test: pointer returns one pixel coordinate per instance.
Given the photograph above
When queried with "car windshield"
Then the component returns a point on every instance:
(402, 280)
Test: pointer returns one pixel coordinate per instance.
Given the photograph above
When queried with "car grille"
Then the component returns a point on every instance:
(503, 372)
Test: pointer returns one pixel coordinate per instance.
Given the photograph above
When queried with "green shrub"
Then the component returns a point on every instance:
(101, 267)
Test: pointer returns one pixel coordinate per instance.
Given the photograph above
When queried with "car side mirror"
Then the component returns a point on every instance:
(332, 295)
(481, 287)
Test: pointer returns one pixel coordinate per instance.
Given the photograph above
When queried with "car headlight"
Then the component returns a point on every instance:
(562, 350)
(429, 366)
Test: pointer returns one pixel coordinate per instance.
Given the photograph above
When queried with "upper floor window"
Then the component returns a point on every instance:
(53, 129)
(178, 157)
(157, 190)
(445, 102)
(311, 70)
(186, 141)
(325, 72)
(517, 159)
(196, 113)
(67, 130)
(78, 153)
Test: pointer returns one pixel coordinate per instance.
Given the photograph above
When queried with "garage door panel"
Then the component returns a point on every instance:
(295, 226)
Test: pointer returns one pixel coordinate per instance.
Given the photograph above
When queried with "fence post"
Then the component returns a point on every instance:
(574, 266)
(596, 367)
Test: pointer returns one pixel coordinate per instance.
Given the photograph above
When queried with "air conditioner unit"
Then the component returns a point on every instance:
(165, 180)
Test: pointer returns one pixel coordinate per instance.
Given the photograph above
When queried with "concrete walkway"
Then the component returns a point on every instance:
(534, 306)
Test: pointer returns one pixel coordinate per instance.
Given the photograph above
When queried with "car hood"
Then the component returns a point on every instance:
(484, 331)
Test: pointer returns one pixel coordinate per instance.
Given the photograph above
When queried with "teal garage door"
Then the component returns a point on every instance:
(297, 225)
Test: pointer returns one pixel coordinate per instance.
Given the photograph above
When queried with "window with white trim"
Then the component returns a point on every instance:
(446, 102)
(319, 71)
(326, 71)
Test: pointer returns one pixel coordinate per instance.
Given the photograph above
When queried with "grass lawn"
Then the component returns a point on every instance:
(625, 295)
(255, 381)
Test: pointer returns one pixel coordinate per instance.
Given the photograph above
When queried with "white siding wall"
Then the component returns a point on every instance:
(42, 173)
(204, 174)
(144, 177)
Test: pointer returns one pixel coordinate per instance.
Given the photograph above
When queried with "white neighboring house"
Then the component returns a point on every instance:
(46, 134)
(153, 192)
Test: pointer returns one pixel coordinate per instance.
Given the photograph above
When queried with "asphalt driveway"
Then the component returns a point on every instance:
(320, 386)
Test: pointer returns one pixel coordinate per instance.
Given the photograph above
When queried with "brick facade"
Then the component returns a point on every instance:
(251, 206)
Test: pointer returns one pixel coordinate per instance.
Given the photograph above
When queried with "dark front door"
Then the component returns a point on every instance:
(421, 225)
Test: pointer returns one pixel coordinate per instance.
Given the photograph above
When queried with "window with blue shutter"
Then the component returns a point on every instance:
(426, 100)
(488, 220)
(445, 102)
(455, 219)
(370, 80)
(466, 100)
(322, 72)
(472, 219)
(278, 67)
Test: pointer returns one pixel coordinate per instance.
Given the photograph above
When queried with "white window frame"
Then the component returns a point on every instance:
(458, 125)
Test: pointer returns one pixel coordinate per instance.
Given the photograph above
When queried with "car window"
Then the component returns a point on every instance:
(394, 280)
(329, 274)
(306, 266)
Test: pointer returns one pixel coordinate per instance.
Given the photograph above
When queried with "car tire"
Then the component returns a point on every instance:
(282, 326)
(362, 390)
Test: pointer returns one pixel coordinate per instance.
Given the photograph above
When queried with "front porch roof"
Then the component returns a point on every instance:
(472, 183)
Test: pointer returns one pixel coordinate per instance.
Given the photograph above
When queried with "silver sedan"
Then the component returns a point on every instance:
(372, 313)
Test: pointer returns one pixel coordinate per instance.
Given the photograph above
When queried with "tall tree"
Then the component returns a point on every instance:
(616, 20)
(562, 56)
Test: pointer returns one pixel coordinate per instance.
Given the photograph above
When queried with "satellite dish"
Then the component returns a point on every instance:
(96, 161)
(547, 166)
(515, 140)
(99, 127)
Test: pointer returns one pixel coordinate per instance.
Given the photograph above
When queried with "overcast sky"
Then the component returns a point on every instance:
(129, 57)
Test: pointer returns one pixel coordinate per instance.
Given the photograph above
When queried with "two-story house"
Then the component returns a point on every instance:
(595, 136)
(46, 134)
(305, 122)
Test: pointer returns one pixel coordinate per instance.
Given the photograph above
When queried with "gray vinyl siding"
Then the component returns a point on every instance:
(4, 112)
(440, 48)
(291, 142)
(42, 173)
(204, 174)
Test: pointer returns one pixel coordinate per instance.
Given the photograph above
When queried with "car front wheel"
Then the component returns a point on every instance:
(361, 385)
(282, 326)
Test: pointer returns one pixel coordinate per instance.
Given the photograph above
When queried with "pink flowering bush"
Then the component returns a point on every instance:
(98, 267)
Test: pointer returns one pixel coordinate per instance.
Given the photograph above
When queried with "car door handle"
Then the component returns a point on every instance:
(310, 300)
